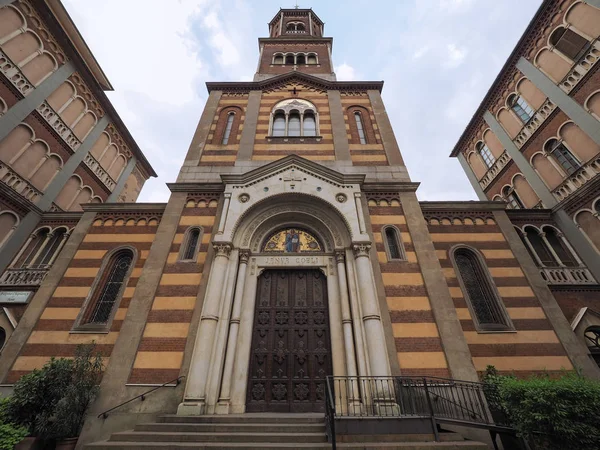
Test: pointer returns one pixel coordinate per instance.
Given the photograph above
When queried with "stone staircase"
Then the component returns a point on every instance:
(263, 431)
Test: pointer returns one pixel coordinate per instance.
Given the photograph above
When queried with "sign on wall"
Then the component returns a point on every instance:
(14, 297)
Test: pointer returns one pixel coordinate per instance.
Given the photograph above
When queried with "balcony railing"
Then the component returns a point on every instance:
(14, 74)
(61, 128)
(493, 171)
(577, 179)
(18, 184)
(102, 174)
(583, 66)
(23, 277)
(534, 123)
(567, 275)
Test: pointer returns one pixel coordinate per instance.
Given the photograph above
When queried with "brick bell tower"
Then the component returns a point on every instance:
(295, 43)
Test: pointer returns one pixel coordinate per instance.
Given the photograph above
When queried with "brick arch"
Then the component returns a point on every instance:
(588, 222)
(478, 166)
(12, 21)
(222, 123)
(592, 104)
(493, 143)
(530, 92)
(578, 141)
(509, 121)
(552, 64)
(524, 191)
(584, 18)
(9, 221)
(546, 170)
(367, 124)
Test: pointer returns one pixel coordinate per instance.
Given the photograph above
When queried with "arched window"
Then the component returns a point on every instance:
(35, 246)
(191, 244)
(521, 108)
(360, 128)
(295, 27)
(539, 247)
(2, 337)
(278, 59)
(559, 247)
(569, 43)
(393, 244)
(279, 124)
(47, 254)
(562, 155)
(228, 126)
(294, 124)
(527, 245)
(511, 197)
(108, 290)
(481, 294)
(295, 118)
(300, 59)
(312, 59)
(486, 154)
(289, 59)
(309, 124)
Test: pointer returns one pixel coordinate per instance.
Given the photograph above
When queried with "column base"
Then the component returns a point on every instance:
(387, 408)
(223, 406)
(191, 408)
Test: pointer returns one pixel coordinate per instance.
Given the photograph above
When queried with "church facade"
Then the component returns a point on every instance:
(293, 247)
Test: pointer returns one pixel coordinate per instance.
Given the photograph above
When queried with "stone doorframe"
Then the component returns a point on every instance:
(217, 378)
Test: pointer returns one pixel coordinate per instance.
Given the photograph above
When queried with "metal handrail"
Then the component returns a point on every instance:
(142, 396)
(330, 415)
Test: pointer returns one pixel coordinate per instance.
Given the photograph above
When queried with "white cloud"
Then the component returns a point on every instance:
(455, 56)
(345, 72)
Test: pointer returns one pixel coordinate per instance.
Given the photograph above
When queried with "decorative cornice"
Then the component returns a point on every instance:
(196, 187)
(463, 206)
(17, 201)
(278, 80)
(296, 12)
(124, 207)
(62, 216)
(529, 215)
(580, 197)
(393, 186)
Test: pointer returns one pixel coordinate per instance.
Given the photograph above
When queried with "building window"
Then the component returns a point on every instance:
(360, 128)
(558, 245)
(539, 247)
(479, 290)
(2, 337)
(43, 249)
(294, 118)
(312, 59)
(228, 126)
(295, 27)
(39, 240)
(290, 59)
(108, 290)
(511, 197)
(191, 244)
(301, 59)
(562, 155)
(569, 43)
(278, 59)
(486, 154)
(521, 108)
(393, 244)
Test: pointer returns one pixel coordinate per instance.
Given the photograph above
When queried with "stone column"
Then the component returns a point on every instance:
(195, 392)
(472, 178)
(335, 323)
(234, 325)
(114, 195)
(244, 343)
(371, 316)
(250, 124)
(338, 127)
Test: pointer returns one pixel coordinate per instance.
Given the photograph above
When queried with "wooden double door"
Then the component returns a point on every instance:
(291, 344)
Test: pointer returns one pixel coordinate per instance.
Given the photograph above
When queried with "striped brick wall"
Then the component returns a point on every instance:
(309, 148)
(534, 346)
(216, 153)
(418, 344)
(372, 153)
(160, 352)
(52, 335)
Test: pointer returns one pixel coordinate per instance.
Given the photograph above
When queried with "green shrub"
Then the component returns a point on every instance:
(552, 414)
(10, 434)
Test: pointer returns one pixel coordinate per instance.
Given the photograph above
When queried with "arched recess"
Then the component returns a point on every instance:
(16, 142)
(61, 96)
(40, 67)
(75, 109)
(228, 127)
(578, 141)
(592, 104)
(368, 132)
(546, 170)
(84, 196)
(100, 145)
(477, 165)
(530, 93)
(84, 125)
(31, 158)
(526, 193)
(589, 223)
(493, 143)
(12, 21)
(584, 18)
(509, 122)
(68, 192)
(117, 167)
(552, 64)
(109, 155)
(9, 222)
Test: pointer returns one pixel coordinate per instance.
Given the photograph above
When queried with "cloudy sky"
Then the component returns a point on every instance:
(437, 58)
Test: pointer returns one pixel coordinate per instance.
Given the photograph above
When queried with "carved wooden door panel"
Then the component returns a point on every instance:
(291, 353)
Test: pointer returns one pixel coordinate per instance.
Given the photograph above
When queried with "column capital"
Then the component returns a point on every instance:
(340, 256)
(222, 248)
(361, 249)
(244, 256)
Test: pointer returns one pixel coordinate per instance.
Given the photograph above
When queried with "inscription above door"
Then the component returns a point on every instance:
(291, 354)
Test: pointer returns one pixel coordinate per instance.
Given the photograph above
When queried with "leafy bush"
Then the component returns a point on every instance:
(550, 413)
(10, 434)
(51, 402)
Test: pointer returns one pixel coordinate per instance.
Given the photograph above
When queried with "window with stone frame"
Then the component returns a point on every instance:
(228, 125)
(485, 304)
(393, 243)
(294, 118)
(569, 43)
(43, 248)
(559, 246)
(191, 244)
(521, 108)
(539, 247)
(361, 127)
(485, 154)
(107, 291)
(512, 198)
(559, 151)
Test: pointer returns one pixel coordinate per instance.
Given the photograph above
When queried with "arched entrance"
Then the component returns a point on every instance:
(291, 350)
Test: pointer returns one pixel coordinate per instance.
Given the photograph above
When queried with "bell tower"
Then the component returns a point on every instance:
(295, 43)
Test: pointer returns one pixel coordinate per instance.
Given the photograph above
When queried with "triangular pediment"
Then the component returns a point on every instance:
(293, 162)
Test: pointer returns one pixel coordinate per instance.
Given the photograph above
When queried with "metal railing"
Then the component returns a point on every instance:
(142, 396)
(440, 400)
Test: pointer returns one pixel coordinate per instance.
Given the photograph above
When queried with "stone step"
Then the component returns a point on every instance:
(110, 445)
(146, 436)
(245, 418)
(444, 436)
(239, 427)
